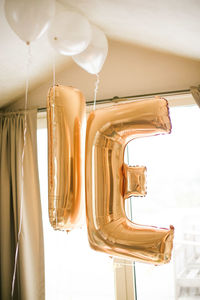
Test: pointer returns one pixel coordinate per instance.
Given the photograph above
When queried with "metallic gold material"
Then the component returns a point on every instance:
(109, 181)
(134, 181)
(66, 149)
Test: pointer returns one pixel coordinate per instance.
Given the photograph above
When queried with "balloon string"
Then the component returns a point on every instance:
(23, 152)
(54, 83)
(54, 73)
(96, 90)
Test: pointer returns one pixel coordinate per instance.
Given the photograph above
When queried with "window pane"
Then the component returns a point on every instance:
(73, 271)
(173, 197)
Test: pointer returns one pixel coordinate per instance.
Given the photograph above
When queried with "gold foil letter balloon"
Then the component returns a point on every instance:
(109, 181)
(66, 149)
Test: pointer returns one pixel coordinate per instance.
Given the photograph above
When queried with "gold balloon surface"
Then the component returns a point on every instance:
(66, 149)
(109, 181)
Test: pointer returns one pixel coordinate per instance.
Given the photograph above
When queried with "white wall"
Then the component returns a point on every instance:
(128, 70)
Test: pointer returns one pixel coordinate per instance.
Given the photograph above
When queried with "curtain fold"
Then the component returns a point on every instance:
(14, 190)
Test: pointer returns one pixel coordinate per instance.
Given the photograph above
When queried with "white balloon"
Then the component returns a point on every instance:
(93, 58)
(29, 19)
(69, 33)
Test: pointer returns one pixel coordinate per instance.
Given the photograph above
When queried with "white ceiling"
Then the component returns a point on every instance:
(171, 26)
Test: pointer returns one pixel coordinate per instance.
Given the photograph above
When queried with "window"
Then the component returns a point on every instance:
(173, 197)
(74, 271)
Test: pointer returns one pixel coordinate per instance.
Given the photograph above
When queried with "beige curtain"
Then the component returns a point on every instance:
(29, 283)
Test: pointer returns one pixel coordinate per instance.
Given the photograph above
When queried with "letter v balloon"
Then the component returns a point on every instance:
(66, 148)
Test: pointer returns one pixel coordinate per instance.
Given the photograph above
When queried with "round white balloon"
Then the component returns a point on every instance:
(69, 33)
(93, 58)
(29, 19)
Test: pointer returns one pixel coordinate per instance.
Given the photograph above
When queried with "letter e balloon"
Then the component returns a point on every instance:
(109, 181)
